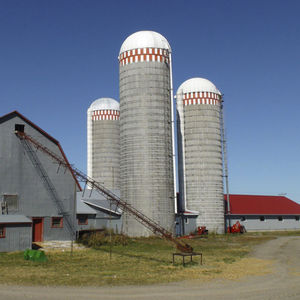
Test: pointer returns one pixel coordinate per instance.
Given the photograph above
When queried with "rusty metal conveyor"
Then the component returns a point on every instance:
(139, 216)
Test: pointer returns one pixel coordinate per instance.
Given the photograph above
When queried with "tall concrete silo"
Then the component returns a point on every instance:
(200, 151)
(103, 142)
(145, 130)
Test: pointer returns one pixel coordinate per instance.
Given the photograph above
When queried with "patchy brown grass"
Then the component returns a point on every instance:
(141, 261)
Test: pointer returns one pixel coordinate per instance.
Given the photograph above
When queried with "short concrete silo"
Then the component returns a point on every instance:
(103, 142)
(145, 130)
(200, 151)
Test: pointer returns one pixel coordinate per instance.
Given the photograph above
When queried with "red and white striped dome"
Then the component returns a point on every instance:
(145, 39)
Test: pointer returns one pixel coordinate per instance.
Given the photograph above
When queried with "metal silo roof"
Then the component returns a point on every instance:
(145, 39)
(197, 84)
(105, 103)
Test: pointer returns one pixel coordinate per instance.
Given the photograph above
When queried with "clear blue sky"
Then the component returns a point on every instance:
(57, 56)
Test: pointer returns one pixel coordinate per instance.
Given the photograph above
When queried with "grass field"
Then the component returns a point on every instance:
(141, 261)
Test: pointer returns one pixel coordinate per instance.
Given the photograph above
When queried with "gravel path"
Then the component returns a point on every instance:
(282, 283)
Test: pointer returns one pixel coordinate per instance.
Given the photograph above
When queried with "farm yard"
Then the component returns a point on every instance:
(140, 261)
(250, 266)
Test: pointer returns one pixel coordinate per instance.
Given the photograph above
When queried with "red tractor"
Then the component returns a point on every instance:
(201, 230)
(236, 228)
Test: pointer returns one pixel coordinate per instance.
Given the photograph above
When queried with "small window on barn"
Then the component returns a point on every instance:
(297, 218)
(262, 218)
(19, 127)
(243, 219)
(56, 222)
(82, 220)
(280, 218)
(186, 220)
(11, 203)
(2, 231)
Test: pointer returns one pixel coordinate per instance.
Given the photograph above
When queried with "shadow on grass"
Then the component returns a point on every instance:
(137, 256)
(153, 259)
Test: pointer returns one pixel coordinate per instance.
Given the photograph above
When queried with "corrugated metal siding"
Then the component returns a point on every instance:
(101, 221)
(253, 223)
(19, 176)
(17, 238)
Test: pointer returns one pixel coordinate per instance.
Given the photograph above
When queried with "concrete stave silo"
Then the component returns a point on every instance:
(200, 151)
(104, 142)
(145, 130)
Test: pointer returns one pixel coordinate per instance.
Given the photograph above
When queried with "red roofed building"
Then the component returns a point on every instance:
(261, 213)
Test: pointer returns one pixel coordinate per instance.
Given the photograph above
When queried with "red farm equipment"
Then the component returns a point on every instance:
(236, 228)
(125, 206)
(201, 231)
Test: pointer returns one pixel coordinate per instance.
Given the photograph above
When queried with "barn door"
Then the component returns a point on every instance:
(37, 229)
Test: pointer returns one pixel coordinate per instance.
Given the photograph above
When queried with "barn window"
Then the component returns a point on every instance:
(82, 220)
(262, 218)
(56, 222)
(243, 218)
(11, 203)
(280, 218)
(186, 220)
(297, 218)
(2, 231)
(19, 127)
(4, 209)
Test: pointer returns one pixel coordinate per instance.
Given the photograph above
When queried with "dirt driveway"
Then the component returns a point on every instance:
(282, 283)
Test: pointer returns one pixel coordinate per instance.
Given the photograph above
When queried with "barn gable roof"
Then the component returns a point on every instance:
(44, 133)
(40, 130)
(262, 205)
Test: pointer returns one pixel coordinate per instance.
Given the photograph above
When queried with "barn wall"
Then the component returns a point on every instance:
(101, 221)
(17, 238)
(19, 176)
(253, 223)
(185, 225)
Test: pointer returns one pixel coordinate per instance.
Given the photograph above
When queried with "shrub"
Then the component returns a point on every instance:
(102, 238)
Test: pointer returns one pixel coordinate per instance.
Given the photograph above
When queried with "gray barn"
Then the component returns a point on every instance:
(31, 184)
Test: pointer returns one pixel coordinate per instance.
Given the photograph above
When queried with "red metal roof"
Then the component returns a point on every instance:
(262, 205)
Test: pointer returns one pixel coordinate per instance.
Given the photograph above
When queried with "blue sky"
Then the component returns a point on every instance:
(56, 57)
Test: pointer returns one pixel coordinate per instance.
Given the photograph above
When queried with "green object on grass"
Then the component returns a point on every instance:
(35, 255)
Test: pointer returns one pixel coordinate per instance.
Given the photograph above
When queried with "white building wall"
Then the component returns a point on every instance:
(253, 223)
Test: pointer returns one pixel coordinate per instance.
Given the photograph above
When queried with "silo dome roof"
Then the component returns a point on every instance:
(145, 39)
(105, 103)
(198, 84)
